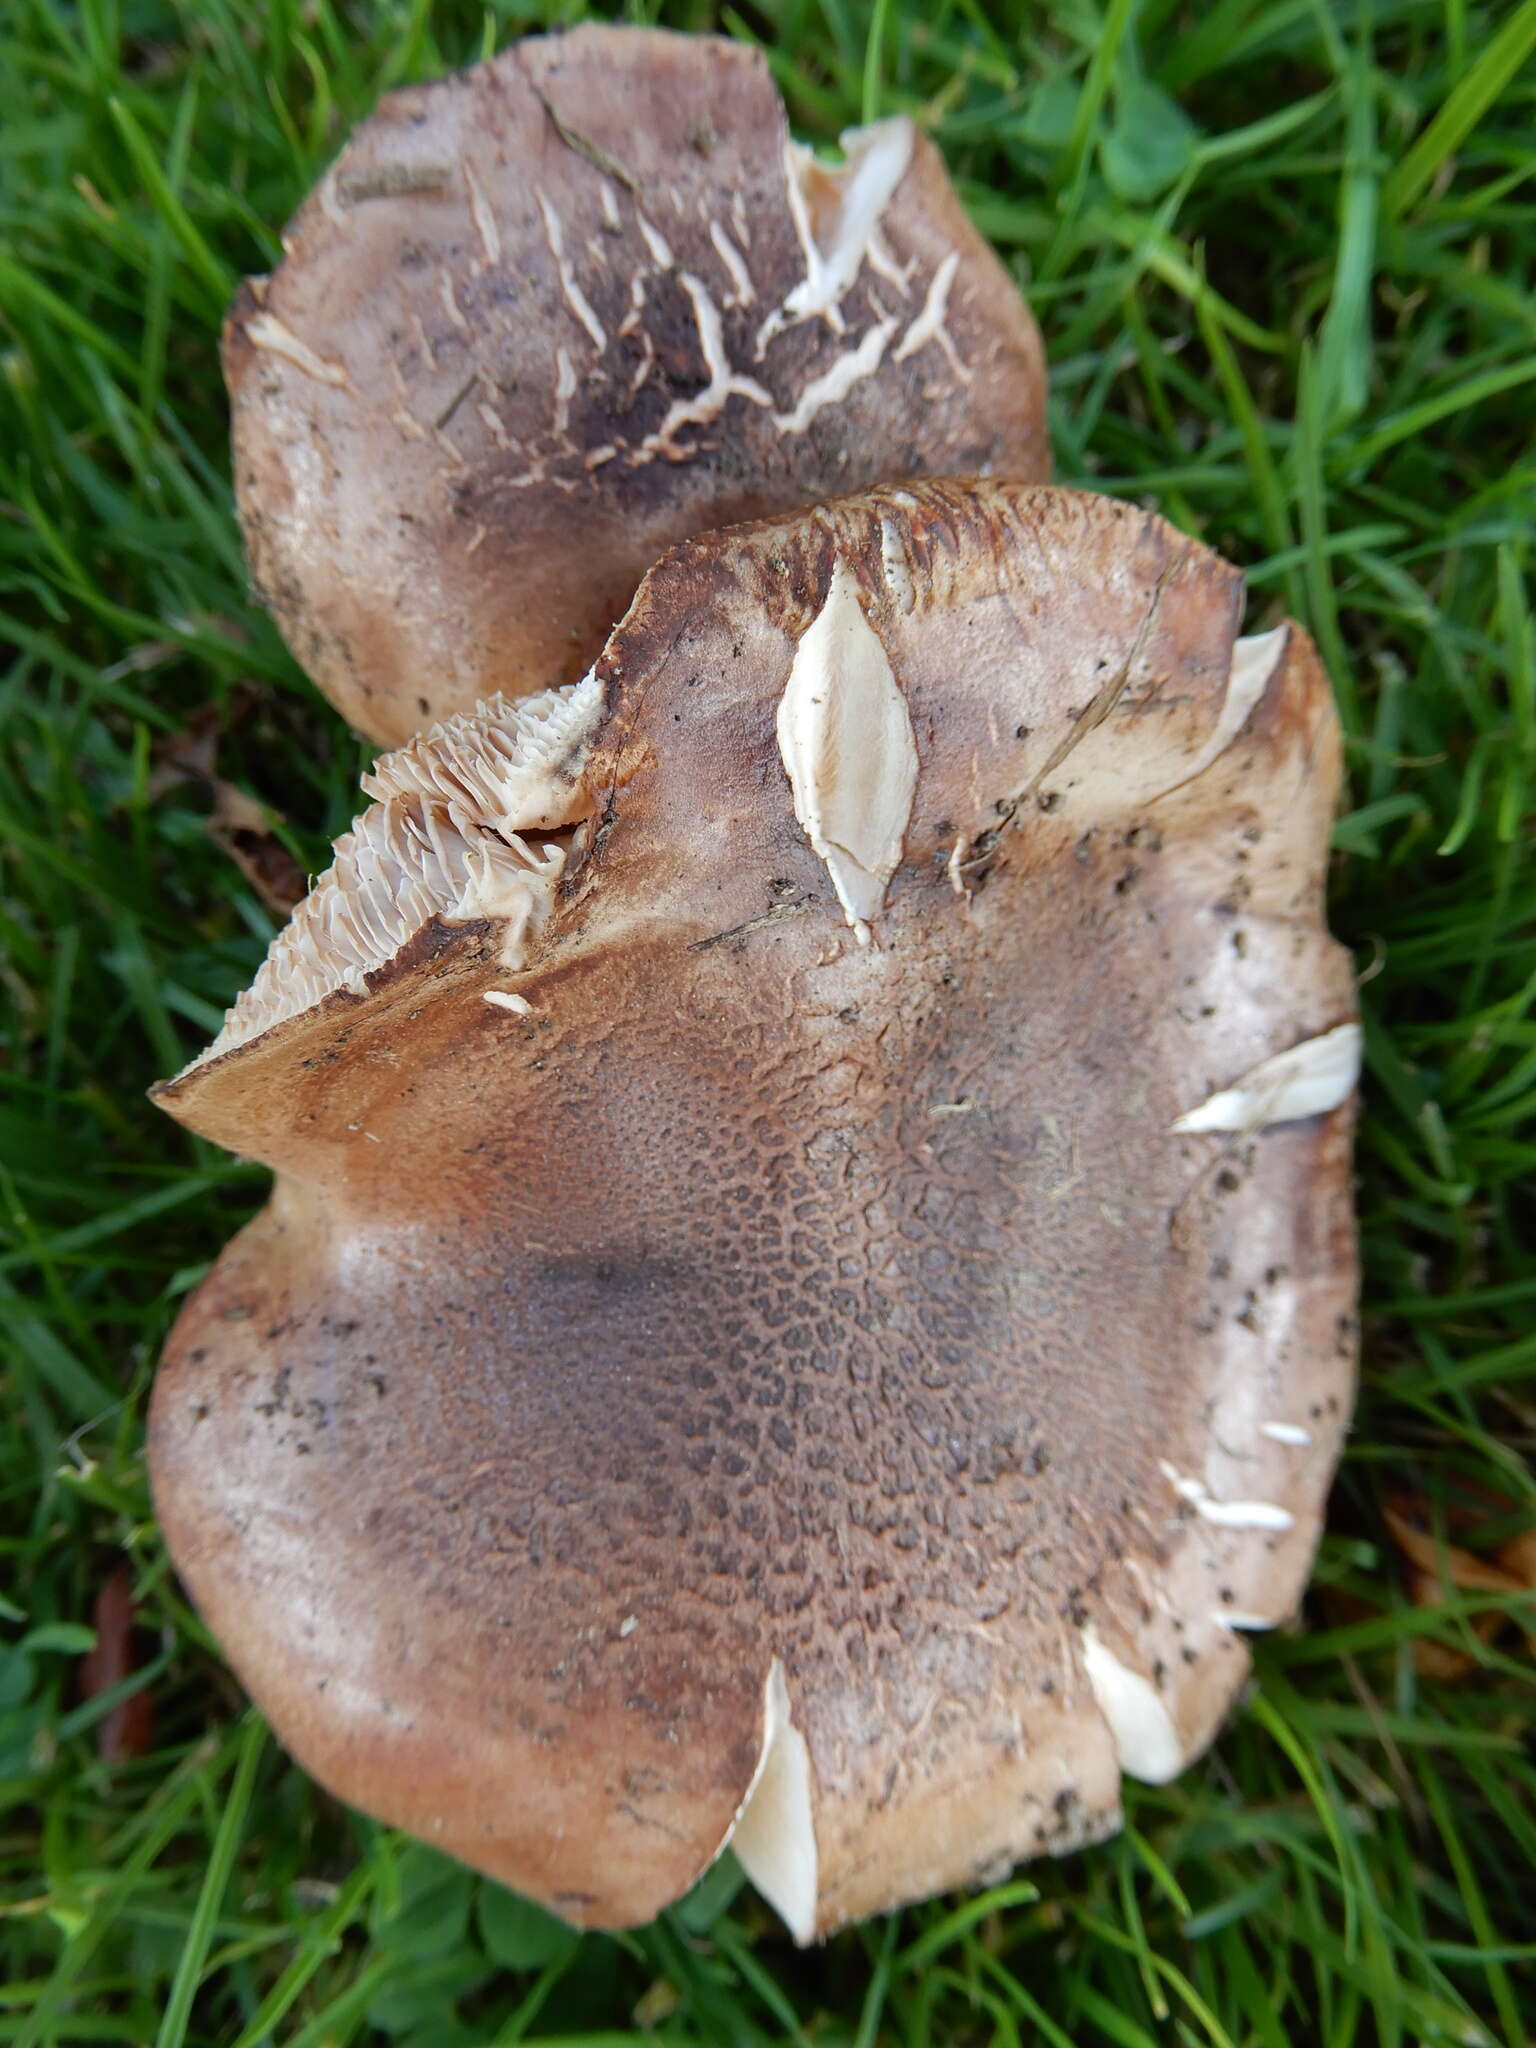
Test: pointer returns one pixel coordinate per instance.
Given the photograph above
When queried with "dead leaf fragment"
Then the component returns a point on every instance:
(127, 1729)
(1438, 1570)
(237, 823)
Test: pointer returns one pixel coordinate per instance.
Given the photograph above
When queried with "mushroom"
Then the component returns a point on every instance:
(542, 319)
(808, 1298)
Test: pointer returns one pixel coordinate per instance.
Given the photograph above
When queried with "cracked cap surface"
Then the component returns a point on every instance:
(546, 317)
(761, 1331)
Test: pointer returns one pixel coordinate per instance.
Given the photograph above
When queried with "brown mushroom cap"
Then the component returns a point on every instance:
(704, 1377)
(543, 319)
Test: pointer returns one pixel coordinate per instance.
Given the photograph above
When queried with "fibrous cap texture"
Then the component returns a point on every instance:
(704, 1379)
(544, 318)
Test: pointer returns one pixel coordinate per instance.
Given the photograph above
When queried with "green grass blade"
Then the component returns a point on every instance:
(1464, 106)
(221, 1859)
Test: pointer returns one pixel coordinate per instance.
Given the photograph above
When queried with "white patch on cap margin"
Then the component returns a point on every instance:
(1254, 661)
(1286, 1433)
(876, 160)
(1228, 1514)
(1303, 1081)
(774, 1832)
(266, 331)
(1144, 1735)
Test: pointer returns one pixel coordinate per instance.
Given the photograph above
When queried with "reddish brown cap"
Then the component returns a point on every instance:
(543, 319)
(808, 1299)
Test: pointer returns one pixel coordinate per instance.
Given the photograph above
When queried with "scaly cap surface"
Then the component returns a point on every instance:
(701, 1377)
(544, 318)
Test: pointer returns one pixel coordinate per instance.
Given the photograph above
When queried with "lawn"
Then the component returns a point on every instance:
(1282, 252)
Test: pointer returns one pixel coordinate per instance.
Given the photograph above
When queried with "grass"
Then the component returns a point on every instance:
(1282, 251)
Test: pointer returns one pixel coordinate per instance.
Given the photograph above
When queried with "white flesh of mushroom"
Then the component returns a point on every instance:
(444, 839)
(1228, 1514)
(846, 739)
(1286, 1433)
(834, 384)
(268, 332)
(876, 162)
(1309, 1078)
(1144, 1735)
(929, 324)
(1254, 661)
(774, 1833)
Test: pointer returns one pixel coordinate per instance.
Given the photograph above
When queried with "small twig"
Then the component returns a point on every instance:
(594, 152)
(1087, 720)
